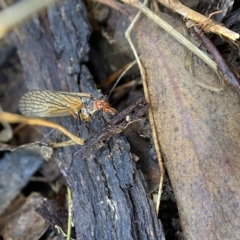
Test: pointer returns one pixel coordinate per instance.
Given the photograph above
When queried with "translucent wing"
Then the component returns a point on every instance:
(51, 104)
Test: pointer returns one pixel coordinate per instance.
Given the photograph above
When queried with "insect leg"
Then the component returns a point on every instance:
(79, 118)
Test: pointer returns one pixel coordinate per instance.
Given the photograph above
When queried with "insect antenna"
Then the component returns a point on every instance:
(48, 134)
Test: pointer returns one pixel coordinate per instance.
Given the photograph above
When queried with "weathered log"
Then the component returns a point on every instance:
(109, 196)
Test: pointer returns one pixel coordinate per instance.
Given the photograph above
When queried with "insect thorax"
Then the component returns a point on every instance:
(87, 108)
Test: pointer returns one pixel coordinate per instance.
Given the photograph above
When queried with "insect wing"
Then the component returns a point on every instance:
(50, 103)
(79, 94)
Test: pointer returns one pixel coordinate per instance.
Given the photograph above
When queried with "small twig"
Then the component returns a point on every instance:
(42, 148)
(200, 19)
(150, 111)
(188, 63)
(117, 125)
(174, 33)
(228, 74)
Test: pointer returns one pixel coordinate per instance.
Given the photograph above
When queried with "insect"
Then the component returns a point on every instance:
(57, 104)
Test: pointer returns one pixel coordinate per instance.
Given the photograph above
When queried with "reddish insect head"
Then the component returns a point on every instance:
(104, 106)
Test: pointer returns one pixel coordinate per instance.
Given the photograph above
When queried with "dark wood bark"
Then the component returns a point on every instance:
(109, 197)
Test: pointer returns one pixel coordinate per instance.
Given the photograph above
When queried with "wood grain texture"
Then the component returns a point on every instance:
(109, 197)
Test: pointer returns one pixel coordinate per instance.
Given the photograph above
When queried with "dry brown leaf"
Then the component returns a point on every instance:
(198, 131)
(21, 221)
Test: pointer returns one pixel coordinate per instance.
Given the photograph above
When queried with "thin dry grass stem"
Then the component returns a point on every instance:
(15, 29)
(153, 5)
(62, 144)
(16, 118)
(131, 84)
(127, 67)
(229, 75)
(200, 20)
(70, 214)
(188, 63)
(150, 112)
(175, 34)
(116, 74)
(19, 12)
(19, 127)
